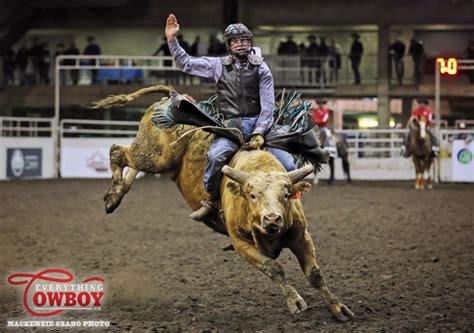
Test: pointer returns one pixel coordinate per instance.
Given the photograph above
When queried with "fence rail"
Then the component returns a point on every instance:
(97, 128)
(26, 127)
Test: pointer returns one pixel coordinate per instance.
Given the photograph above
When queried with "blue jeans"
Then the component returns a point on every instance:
(223, 149)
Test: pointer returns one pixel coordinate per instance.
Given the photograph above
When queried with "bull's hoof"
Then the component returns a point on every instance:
(341, 312)
(111, 203)
(296, 304)
(113, 197)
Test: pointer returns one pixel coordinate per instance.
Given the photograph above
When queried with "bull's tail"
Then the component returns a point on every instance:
(120, 100)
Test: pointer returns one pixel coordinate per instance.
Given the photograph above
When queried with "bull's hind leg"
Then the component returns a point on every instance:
(305, 253)
(272, 269)
(120, 185)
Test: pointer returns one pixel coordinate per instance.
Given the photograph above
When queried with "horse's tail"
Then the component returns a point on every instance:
(120, 100)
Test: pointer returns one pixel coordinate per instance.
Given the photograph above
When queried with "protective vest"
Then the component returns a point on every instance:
(238, 88)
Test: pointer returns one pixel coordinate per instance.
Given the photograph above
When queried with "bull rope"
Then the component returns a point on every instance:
(241, 138)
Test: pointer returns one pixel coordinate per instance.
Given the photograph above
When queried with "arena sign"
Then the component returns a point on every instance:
(53, 291)
(24, 162)
(462, 159)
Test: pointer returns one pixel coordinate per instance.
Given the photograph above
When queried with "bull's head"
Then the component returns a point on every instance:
(268, 195)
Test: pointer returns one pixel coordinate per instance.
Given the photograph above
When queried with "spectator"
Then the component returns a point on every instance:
(21, 61)
(165, 50)
(72, 50)
(470, 56)
(289, 47)
(35, 55)
(355, 56)
(184, 44)
(312, 53)
(417, 52)
(302, 53)
(323, 56)
(215, 48)
(397, 52)
(44, 64)
(193, 49)
(92, 49)
(182, 77)
(334, 60)
(62, 73)
(8, 57)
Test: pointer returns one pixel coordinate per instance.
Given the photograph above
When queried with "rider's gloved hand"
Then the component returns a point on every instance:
(256, 141)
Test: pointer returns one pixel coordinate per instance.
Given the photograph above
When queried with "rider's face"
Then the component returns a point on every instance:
(239, 45)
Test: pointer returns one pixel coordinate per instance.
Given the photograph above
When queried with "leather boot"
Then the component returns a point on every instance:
(201, 213)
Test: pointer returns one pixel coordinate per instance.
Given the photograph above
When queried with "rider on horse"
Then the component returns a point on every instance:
(245, 92)
(321, 118)
(421, 112)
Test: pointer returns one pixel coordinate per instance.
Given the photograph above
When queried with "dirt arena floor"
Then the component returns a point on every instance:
(402, 260)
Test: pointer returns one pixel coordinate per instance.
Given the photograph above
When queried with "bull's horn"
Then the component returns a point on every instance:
(300, 173)
(236, 175)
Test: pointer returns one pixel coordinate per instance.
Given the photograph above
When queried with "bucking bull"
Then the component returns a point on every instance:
(260, 207)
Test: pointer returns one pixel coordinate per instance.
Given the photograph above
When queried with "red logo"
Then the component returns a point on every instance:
(52, 291)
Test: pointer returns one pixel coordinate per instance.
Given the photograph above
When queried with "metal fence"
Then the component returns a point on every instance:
(26, 127)
(97, 128)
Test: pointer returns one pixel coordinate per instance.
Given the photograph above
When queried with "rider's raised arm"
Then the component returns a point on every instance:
(208, 67)
(203, 66)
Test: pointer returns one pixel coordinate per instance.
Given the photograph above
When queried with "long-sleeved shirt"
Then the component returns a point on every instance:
(211, 67)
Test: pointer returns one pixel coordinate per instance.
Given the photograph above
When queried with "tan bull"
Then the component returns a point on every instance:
(259, 201)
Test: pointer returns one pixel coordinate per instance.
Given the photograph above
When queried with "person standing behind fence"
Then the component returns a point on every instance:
(92, 49)
(355, 56)
(60, 51)
(21, 62)
(323, 56)
(35, 56)
(165, 50)
(44, 64)
(72, 50)
(193, 49)
(397, 52)
(417, 52)
(334, 60)
(185, 45)
(312, 61)
(8, 57)
(289, 50)
(470, 56)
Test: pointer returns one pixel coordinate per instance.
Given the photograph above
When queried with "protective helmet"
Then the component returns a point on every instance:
(236, 30)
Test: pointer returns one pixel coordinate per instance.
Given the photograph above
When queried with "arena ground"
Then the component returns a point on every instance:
(403, 260)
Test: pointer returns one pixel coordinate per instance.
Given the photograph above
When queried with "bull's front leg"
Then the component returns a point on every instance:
(305, 253)
(120, 185)
(272, 269)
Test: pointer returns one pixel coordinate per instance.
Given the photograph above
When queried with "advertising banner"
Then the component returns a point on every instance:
(463, 163)
(24, 162)
(87, 157)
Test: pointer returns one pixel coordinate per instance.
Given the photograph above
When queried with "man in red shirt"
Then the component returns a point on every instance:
(421, 111)
(321, 114)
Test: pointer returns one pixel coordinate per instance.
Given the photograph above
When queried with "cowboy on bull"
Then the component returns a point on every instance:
(421, 112)
(245, 92)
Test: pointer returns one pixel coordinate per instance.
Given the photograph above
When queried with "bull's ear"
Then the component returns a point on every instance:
(234, 188)
(302, 187)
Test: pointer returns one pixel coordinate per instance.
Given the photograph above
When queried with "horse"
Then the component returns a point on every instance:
(339, 144)
(419, 145)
